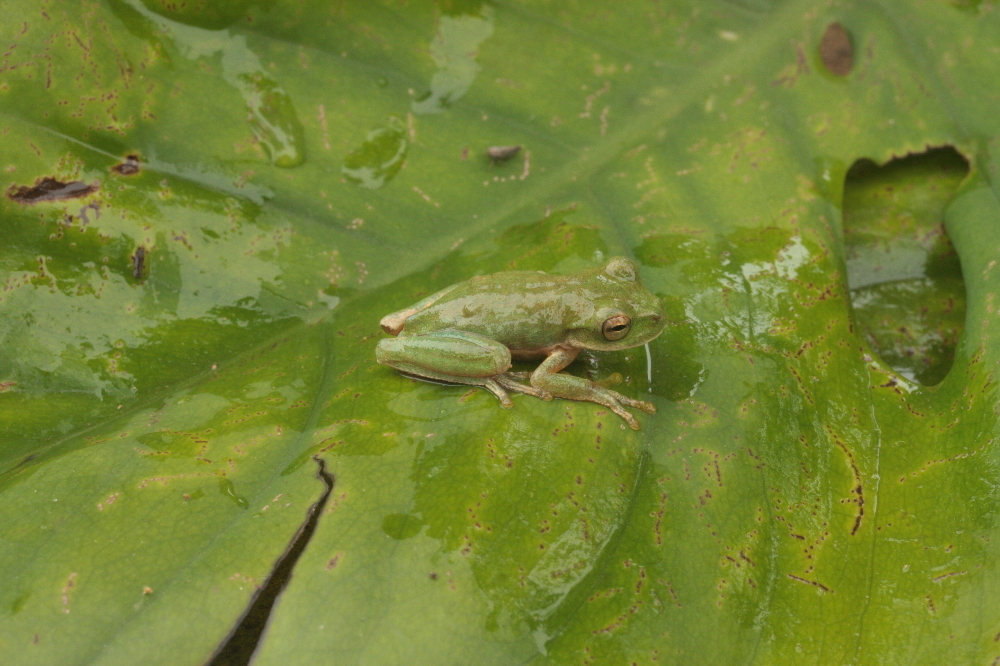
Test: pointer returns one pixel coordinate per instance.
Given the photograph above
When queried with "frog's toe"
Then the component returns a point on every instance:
(506, 381)
(624, 413)
(647, 407)
(496, 390)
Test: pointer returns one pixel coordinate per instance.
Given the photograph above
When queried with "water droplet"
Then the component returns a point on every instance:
(379, 158)
(273, 119)
(272, 116)
(454, 52)
(401, 526)
(227, 488)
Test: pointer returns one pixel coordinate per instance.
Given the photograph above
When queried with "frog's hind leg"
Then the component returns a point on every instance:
(507, 381)
(487, 383)
(456, 357)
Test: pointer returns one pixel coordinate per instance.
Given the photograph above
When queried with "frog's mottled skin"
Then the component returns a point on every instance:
(468, 333)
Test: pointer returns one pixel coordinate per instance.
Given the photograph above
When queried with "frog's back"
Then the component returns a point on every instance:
(520, 309)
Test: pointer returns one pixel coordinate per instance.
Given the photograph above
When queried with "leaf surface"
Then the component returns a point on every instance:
(818, 485)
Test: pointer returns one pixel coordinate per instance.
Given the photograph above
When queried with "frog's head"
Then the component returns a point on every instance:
(626, 314)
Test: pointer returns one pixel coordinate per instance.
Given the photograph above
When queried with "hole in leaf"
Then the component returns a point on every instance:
(239, 646)
(904, 275)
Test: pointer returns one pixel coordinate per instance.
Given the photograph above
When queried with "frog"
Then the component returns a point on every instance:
(470, 332)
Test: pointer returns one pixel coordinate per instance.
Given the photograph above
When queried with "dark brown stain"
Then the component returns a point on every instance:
(836, 50)
(129, 167)
(50, 189)
(138, 262)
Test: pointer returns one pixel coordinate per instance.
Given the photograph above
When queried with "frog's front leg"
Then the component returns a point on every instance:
(455, 356)
(547, 376)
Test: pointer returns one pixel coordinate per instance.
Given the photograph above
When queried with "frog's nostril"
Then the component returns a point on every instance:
(656, 319)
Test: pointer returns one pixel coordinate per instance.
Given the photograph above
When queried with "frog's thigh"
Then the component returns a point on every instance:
(448, 355)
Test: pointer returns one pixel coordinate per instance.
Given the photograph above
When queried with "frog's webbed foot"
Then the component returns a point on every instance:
(507, 381)
(614, 400)
(548, 377)
(495, 388)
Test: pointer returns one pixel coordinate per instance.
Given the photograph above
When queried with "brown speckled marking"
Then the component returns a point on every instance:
(858, 490)
(810, 582)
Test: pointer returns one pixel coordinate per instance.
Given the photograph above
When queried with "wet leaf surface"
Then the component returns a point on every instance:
(817, 486)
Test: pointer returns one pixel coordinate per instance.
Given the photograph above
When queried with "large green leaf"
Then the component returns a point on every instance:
(804, 495)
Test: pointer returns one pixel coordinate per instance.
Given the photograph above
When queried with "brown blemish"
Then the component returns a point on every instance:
(659, 519)
(810, 582)
(938, 579)
(836, 50)
(857, 489)
(129, 167)
(67, 588)
(50, 189)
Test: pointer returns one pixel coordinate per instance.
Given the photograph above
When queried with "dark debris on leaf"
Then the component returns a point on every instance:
(138, 262)
(502, 153)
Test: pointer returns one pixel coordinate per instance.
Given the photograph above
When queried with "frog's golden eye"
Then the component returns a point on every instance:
(616, 327)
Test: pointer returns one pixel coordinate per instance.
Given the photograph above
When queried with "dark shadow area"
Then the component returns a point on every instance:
(904, 275)
(239, 646)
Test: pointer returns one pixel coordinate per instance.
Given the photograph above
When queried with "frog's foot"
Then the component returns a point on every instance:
(507, 381)
(647, 407)
(613, 400)
(495, 388)
(577, 388)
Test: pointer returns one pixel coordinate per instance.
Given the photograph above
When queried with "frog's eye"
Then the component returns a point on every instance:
(616, 327)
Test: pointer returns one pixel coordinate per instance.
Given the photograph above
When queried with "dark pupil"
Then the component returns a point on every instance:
(619, 327)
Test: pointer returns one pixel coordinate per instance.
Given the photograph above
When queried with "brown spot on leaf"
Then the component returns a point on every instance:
(50, 189)
(129, 167)
(836, 50)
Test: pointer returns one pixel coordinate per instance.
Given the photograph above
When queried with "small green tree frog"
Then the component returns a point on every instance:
(469, 332)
